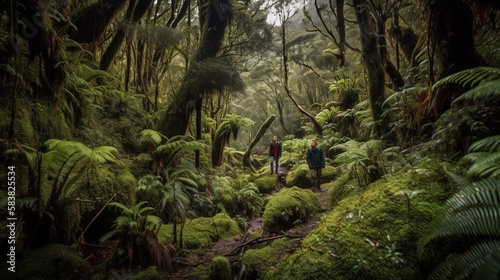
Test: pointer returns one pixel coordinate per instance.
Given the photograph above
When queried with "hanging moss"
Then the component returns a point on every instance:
(300, 176)
(54, 261)
(288, 207)
(371, 235)
(201, 232)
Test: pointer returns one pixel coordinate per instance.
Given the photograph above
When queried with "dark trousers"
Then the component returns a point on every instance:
(274, 162)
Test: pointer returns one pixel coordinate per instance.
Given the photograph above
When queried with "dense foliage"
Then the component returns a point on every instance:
(134, 139)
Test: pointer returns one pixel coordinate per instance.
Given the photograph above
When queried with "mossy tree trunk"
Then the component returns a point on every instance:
(452, 37)
(262, 130)
(135, 12)
(177, 115)
(373, 64)
(93, 20)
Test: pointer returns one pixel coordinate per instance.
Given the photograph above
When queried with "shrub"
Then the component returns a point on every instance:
(220, 269)
(201, 232)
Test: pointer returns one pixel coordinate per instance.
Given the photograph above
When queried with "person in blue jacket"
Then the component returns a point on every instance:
(316, 162)
(274, 154)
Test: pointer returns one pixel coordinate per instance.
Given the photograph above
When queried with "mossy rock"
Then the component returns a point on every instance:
(266, 183)
(201, 232)
(300, 176)
(288, 207)
(363, 235)
(260, 260)
(220, 269)
(55, 261)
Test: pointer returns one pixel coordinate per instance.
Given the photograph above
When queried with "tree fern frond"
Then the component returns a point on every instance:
(470, 77)
(457, 180)
(472, 211)
(477, 221)
(103, 154)
(152, 136)
(486, 166)
(488, 144)
(480, 257)
(481, 193)
(484, 90)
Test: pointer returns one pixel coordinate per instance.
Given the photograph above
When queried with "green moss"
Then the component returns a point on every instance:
(260, 260)
(220, 269)
(288, 207)
(201, 232)
(151, 273)
(364, 245)
(300, 176)
(266, 183)
(54, 261)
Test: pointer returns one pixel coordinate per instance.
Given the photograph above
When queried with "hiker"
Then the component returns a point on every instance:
(316, 161)
(274, 154)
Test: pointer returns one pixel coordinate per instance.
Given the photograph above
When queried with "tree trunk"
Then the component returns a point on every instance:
(452, 37)
(199, 105)
(175, 121)
(341, 30)
(284, 53)
(138, 12)
(373, 64)
(262, 130)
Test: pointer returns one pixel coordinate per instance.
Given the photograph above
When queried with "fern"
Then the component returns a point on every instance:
(484, 165)
(490, 89)
(470, 77)
(472, 211)
(488, 144)
(481, 261)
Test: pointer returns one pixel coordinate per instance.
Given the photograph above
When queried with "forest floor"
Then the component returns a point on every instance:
(233, 249)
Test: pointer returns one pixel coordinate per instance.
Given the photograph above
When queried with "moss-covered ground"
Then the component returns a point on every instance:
(372, 234)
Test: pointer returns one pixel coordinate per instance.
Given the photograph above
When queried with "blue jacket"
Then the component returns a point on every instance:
(315, 158)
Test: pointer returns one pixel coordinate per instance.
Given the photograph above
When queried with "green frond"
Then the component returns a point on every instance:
(472, 211)
(108, 235)
(474, 262)
(470, 77)
(119, 206)
(484, 90)
(488, 144)
(481, 193)
(103, 154)
(152, 136)
(485, 165)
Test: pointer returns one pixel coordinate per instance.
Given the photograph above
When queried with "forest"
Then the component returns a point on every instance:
(136, 139)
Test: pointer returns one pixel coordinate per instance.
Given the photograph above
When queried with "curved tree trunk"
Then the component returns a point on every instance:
(262, 130)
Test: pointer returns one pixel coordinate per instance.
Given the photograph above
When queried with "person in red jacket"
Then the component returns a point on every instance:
(274, 154)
